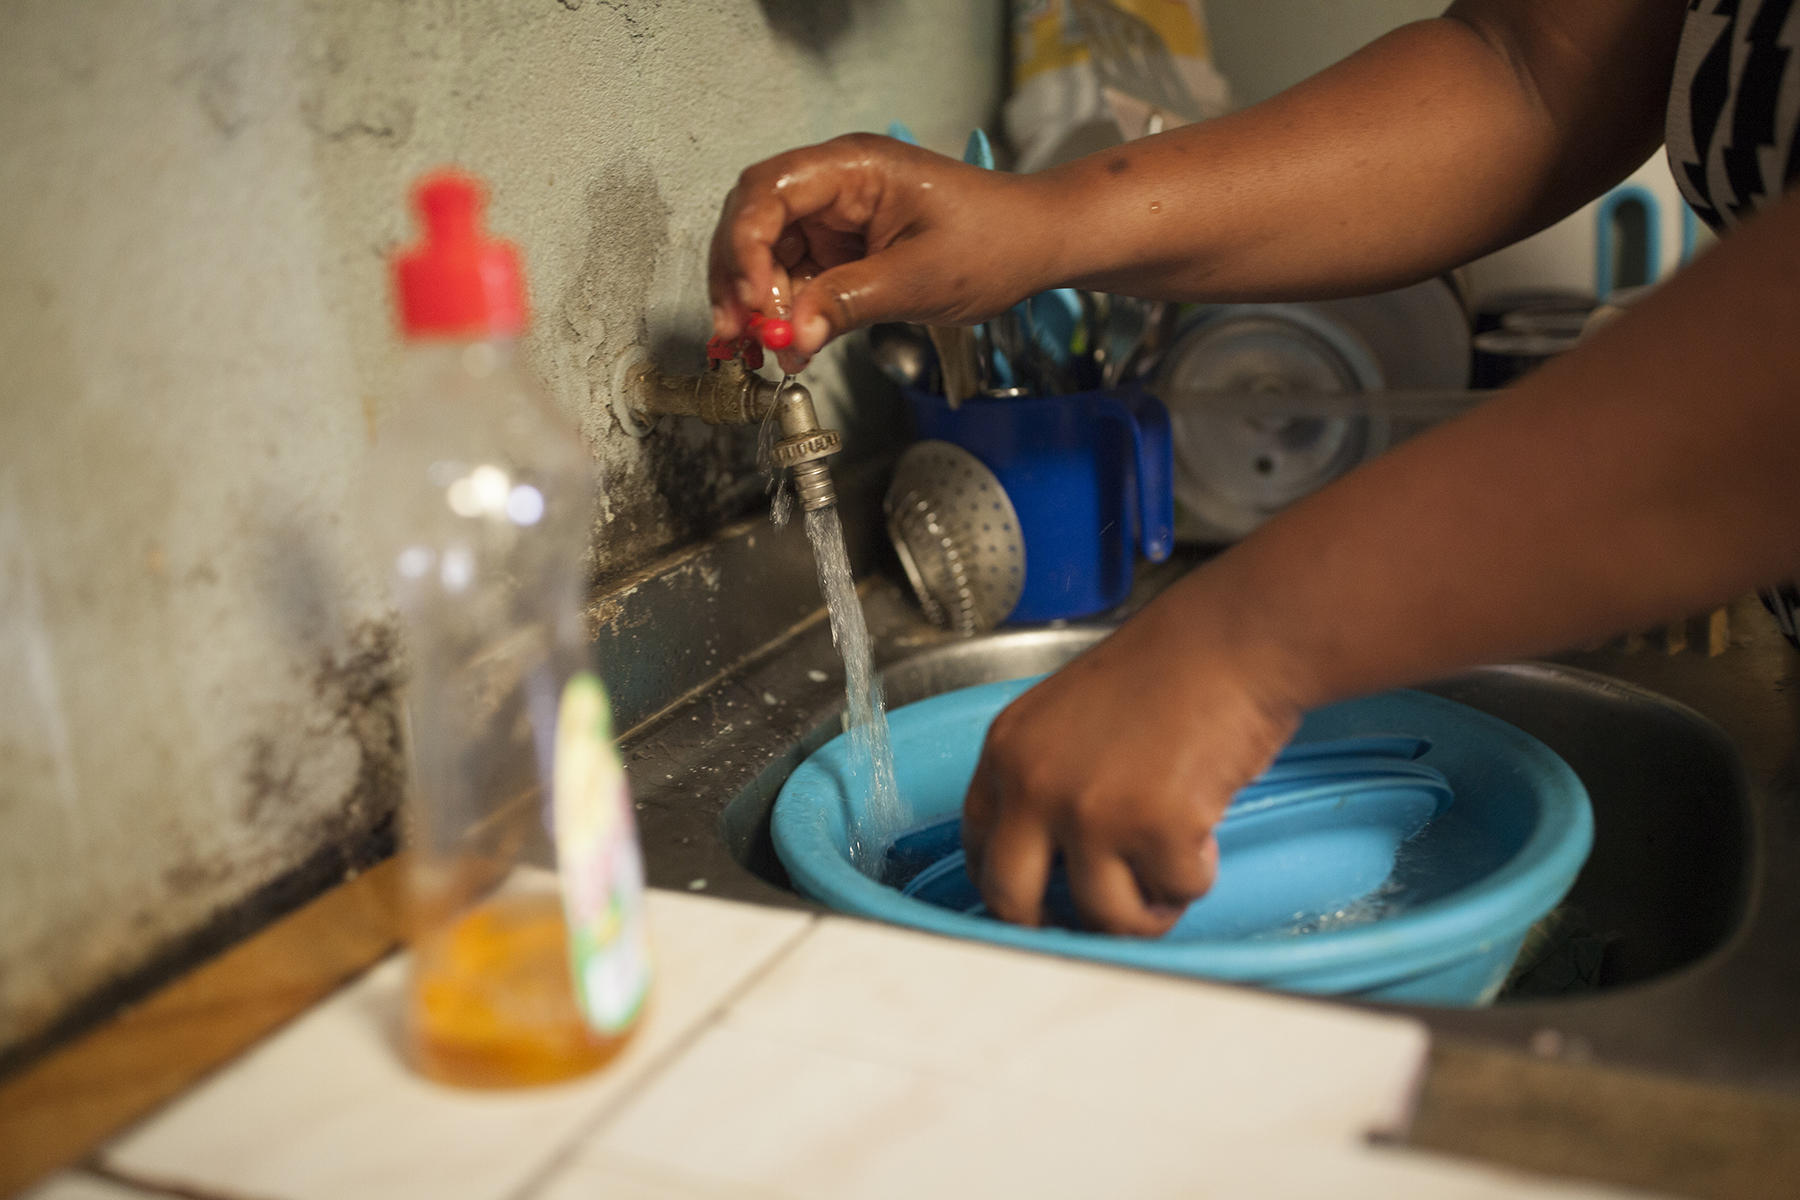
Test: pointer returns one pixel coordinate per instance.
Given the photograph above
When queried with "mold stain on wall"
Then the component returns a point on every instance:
(688, 479)
(200, 680)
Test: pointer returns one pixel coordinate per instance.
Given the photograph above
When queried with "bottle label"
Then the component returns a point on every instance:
(598, 857)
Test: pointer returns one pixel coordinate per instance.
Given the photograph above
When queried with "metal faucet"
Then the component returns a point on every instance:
(728, 394)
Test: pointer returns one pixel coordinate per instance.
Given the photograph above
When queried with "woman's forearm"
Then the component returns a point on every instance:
(1646, 475)
(1435, 144)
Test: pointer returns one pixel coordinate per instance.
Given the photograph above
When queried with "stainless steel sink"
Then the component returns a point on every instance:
(931, 671)
(1667, 880)
(1694, 883)
(1669, 875)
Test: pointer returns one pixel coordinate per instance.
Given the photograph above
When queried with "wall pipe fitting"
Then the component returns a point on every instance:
(728, 394)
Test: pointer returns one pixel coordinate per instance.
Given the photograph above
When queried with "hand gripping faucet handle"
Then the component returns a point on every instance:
(720, 349)
(759, 331)
(774, 332)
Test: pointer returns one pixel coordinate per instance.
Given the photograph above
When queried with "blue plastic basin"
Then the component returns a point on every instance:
(1400, 849)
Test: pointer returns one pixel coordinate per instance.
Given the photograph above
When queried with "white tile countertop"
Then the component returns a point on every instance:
(798, 1057)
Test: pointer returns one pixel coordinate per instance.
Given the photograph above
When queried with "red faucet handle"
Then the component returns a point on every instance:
(773, 332)
(776, 333)
(745, 345)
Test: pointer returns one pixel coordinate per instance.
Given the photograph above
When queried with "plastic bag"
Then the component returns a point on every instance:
(1089, 74)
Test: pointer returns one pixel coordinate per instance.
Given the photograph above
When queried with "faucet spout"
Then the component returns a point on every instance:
(728, 394)
(803, 447)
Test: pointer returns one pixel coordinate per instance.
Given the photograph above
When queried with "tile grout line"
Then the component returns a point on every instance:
(1399, 1133)
(555, 1164)
(100, 1170)
(318, 940)
(95, 1161)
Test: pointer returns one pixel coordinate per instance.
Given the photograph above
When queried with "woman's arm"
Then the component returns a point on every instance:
(1647, 474)
(1438, 142)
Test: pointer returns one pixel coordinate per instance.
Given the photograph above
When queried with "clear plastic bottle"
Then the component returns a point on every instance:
(478, 503)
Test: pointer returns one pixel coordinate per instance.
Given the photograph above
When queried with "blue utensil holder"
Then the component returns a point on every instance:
(1091, 476)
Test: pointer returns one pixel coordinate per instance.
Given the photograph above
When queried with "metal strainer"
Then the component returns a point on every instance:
(957, 535)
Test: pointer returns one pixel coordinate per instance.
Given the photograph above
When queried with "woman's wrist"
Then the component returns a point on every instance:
(1219, 614)
(1047, 219)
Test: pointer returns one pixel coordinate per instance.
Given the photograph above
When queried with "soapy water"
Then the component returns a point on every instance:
(1378, 905)
(865, 715)
(1450, 848)
(1392, 898)
(1396, 894)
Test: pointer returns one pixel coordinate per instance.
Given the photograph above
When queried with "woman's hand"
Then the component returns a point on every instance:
(1430, 147)
(1123, 762)
(1646, 473)
(865, 229)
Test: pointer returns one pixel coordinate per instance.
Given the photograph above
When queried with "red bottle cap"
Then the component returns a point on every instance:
(457, 282)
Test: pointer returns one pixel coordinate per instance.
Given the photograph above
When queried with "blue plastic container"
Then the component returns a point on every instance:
(1091, 476)
(1347, 869)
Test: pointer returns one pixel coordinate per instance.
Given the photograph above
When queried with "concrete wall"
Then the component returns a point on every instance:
(197, 675)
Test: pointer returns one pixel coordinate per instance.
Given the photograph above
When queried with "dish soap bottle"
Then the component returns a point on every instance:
(478, 500)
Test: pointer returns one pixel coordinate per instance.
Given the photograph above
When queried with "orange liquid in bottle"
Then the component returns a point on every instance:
(491, 1002)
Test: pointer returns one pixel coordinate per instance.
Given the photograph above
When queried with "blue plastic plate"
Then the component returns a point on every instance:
(1316, 833)
(1360, 804)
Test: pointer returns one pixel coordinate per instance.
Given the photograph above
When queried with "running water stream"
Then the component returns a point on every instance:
(781, 500)
(865, 717)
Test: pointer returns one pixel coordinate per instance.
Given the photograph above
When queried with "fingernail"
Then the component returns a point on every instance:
(814, 330)
(718, 319)
(746, 294)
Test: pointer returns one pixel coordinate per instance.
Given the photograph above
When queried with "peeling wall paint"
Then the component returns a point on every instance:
(199, 679)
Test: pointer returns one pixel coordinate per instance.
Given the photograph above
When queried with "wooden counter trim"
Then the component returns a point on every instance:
(64, 1105)
(1552, 1117)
